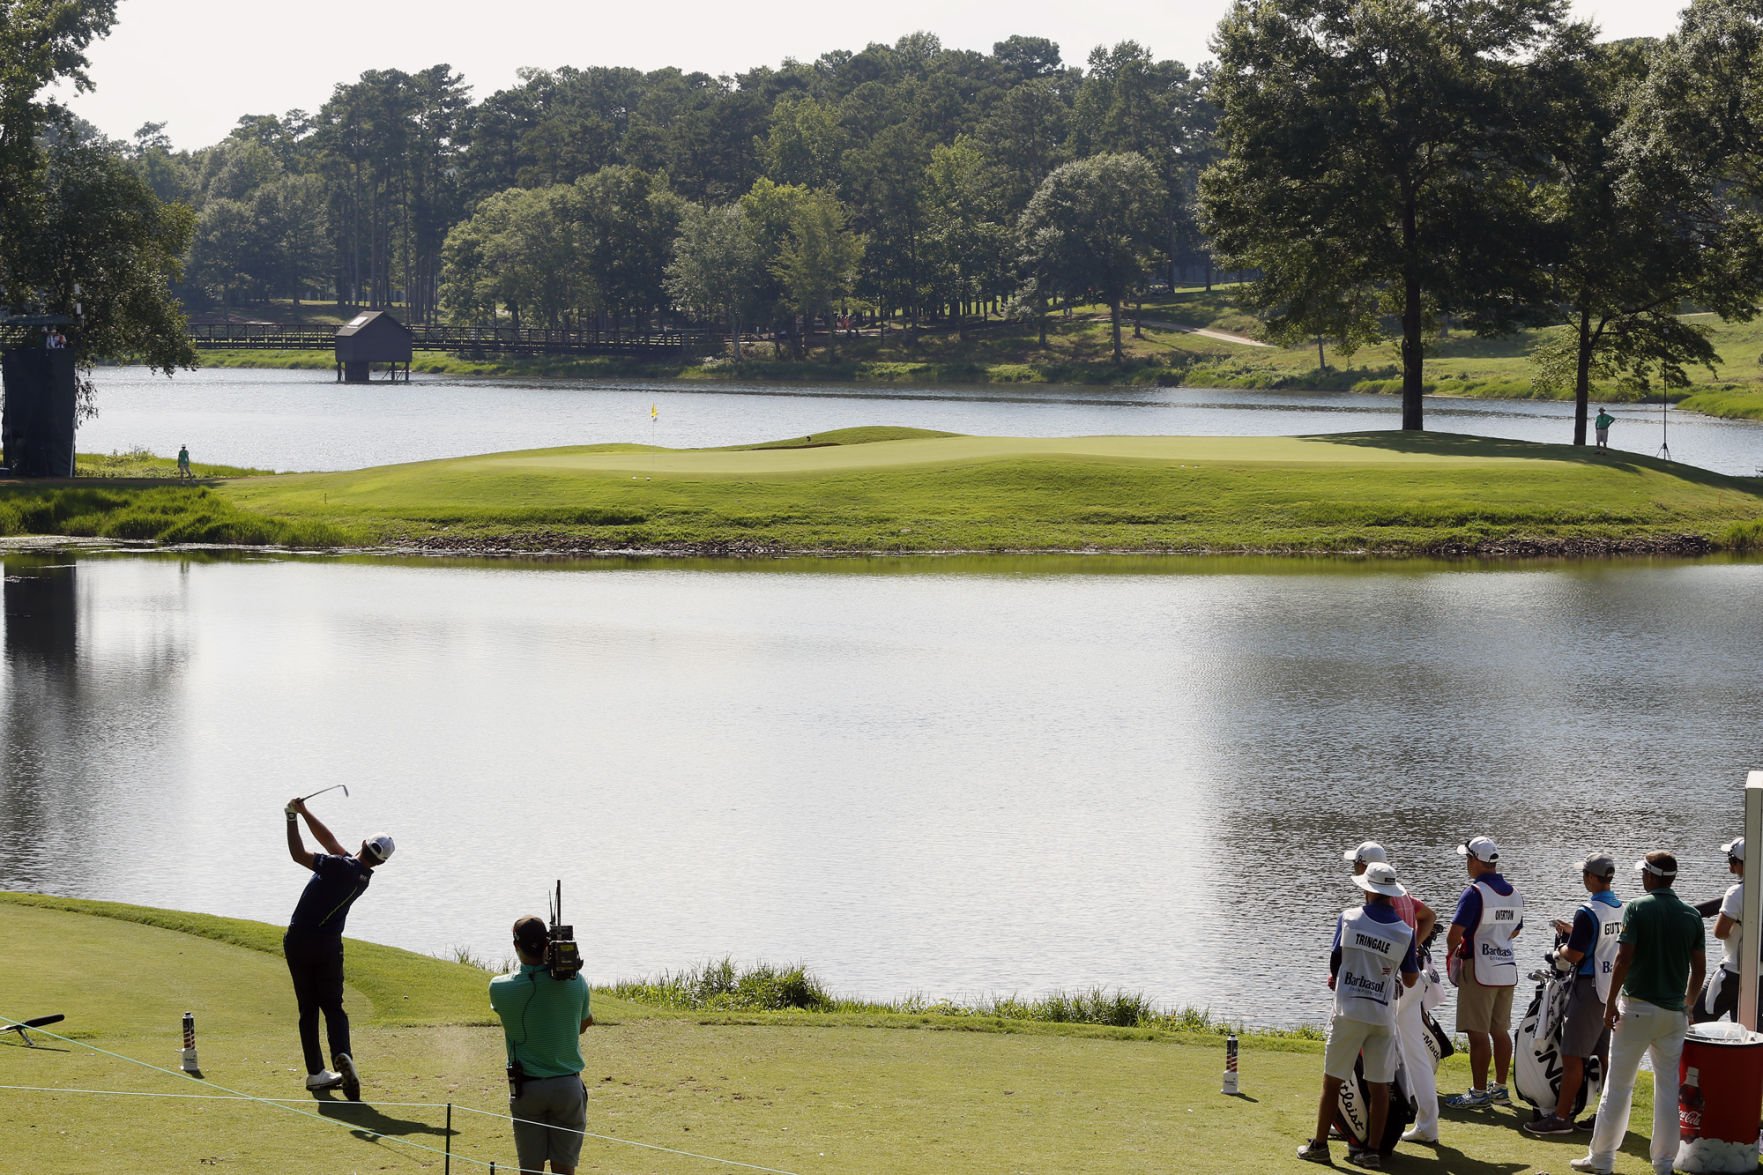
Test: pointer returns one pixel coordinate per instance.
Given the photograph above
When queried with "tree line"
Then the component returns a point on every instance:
(898, 175)
(1384, 170)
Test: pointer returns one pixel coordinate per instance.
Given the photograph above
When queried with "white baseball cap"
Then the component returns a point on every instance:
(1482, 848)
(1380, 877)
(1366, 853)
(1735, 850)
(381, 847)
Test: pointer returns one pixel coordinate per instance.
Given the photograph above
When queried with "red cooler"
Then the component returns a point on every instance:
(1720, 1099)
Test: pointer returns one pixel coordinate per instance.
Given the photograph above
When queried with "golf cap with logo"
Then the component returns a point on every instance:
(1599, 865)
(1734, 851)
(1482, 848)
(1380, 877)
(1665, 866)
(1365, 854)
(381, 847)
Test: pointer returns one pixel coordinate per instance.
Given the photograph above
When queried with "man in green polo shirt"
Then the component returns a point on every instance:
(1658, 971)
(542, 1022)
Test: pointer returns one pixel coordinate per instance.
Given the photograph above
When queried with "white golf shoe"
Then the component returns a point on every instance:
(323, 1079)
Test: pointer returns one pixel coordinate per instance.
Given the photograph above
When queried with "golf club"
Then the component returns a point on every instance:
(39, 1022)
(322, 790)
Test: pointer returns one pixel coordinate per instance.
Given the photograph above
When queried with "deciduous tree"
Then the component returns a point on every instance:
(1378, 147)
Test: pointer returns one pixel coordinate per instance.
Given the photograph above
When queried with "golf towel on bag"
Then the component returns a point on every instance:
(1353, 1111)
(1536, 1048)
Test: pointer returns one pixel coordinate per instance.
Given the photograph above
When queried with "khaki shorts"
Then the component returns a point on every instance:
(1483, 1009)
(1348, 1038)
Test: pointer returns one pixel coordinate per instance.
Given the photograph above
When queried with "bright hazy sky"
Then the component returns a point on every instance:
(197, 65)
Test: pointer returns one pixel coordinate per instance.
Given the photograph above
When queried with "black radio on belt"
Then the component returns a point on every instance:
(563, 958)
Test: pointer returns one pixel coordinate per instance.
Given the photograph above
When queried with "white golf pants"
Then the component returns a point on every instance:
(1417, 1061)
(1645, 1029)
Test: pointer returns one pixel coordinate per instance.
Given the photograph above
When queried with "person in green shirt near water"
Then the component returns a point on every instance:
(542, 1022)
(1602, 424)
(1658, 971)
(184, 462)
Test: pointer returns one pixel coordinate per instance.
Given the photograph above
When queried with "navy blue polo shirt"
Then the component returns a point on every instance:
(336, 883)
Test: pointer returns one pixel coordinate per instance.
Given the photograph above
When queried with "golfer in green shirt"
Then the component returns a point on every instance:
(1658, 971)
(1602, 424)
(542, 1022)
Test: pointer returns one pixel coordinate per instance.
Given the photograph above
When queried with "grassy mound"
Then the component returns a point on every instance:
(828, 1094)
(906, 490)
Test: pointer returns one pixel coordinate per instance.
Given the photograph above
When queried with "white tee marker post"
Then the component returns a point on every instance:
(1752, 914)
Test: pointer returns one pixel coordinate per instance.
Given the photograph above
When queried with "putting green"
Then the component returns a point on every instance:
(905, 490)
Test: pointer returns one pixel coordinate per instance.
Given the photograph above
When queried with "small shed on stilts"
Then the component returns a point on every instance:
(373, 336)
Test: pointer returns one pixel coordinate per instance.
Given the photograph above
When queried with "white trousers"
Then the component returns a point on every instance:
(1658, 1034)
(1417, 1061)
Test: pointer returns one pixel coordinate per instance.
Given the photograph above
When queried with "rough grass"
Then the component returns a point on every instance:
(142, 463)
(906, 491)
(829, 1094)
(171, 514)
(721, 985)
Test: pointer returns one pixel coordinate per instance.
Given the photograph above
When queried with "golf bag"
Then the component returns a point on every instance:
(1536, 1046)
(1353, 1112)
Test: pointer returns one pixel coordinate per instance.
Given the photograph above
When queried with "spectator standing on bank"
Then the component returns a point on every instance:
(1373, 956)
(1602, 423)
(1658, 969)
(1482, 943)
(1720, 995)
(1593, 939)
(1411, 1030)
(184, 462)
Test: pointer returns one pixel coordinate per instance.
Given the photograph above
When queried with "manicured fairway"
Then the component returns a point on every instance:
(906, 490)
(802, 1093)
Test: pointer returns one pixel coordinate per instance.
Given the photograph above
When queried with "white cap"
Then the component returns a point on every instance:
(381, 847)
(1735, 850)
(1482, 848)
(1380, 877)
(1366, 853)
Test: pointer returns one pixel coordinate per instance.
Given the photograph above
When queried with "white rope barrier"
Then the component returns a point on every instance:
(286, 1105)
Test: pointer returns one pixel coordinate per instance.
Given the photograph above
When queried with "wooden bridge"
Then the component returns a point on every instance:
(470, 341)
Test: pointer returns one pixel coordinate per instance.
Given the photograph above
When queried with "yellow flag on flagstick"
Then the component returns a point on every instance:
(654, 412)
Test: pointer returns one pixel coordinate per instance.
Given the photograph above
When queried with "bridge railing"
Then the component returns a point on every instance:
(497, 340)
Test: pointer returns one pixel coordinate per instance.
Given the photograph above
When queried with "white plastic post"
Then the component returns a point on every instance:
(1753, 909)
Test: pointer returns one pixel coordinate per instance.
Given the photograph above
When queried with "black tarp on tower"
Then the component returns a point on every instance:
(37, 426)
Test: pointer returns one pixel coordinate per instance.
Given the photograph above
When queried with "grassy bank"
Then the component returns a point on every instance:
(1165, 350)
(887, 490)
(828, 1094)
(906, 490)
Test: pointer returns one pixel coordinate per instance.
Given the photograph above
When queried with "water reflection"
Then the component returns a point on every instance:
(986, 777)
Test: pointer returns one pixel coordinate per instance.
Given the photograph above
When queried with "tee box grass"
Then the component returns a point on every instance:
(807, 1093)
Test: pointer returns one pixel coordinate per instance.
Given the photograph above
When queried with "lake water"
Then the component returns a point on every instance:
(304, 420)
(955, 778)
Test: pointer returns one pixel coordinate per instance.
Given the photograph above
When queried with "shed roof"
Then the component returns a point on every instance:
(367, 319)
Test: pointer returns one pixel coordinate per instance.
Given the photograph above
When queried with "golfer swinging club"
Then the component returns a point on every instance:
(314, 943)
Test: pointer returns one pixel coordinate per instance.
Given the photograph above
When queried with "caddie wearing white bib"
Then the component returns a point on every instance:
(1594, 939)
(1412, 1032)
(1373, 955)
(1483, 937)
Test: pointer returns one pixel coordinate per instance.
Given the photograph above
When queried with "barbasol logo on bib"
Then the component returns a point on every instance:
(1490, 951)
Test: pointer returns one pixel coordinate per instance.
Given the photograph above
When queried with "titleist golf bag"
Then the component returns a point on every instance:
(1353, 1112)
(1536, 1046)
